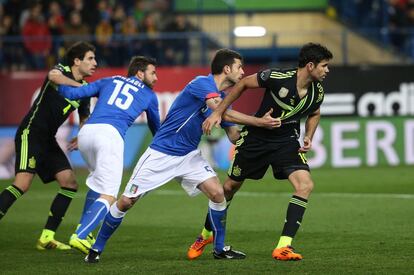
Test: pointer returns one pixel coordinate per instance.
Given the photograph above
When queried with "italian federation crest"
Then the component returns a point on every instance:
(133, 189)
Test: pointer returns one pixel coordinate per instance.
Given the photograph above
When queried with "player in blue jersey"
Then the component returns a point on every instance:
(173, 153)
(101, 140)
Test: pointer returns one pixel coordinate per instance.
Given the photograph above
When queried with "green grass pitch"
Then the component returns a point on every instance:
(358, 221)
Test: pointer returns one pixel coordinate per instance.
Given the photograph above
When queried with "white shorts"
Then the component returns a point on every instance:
(155, 169)
(102, 147)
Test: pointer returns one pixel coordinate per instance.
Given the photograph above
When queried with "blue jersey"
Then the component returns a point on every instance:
(120, 101)
(181, 131)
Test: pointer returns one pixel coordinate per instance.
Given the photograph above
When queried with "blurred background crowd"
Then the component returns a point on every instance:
(391, 22)
(48, 27)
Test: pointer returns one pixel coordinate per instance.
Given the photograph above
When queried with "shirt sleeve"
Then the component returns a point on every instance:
(73, 93)
(264, 79)
(153, 115)
(203, 90)
(62, 68)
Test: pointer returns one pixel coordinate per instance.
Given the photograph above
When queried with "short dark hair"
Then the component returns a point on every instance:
(222, 58)
(313, 52)
(78, 50)
(139, 63)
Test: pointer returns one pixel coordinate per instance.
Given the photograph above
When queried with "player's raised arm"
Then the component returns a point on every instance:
(57, 77)
(215, 118)
(266, 121)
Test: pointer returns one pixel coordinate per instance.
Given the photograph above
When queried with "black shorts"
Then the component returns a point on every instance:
(253, 157)
(38, 155)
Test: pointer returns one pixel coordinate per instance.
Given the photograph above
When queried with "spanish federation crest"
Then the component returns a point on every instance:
(236, 171)
(32, 163)
(283, 92)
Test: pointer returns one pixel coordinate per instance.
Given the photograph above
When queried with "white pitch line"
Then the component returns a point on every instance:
(284, 194)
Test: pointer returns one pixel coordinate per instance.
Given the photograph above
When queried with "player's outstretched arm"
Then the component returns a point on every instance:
(59, 78)
(74, 93)
(266, 121)
(310, 127)
(215, 118)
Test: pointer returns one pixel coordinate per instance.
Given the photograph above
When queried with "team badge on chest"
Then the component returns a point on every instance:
(283, 92)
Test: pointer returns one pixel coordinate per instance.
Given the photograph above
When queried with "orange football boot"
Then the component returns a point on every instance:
(286, 253)
(197, 248)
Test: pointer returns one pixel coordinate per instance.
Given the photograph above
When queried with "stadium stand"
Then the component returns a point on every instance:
(182, 32)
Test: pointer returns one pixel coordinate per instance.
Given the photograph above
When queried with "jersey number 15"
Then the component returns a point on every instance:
(122, 88)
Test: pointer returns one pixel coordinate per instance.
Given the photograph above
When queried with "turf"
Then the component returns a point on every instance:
(359, 221)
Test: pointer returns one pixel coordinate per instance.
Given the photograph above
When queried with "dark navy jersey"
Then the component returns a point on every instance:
(50, 109)
(281, 94)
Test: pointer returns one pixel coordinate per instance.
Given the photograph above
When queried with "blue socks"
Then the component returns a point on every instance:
(217, 213)
(91, 197)
(92, 217)
(111, 222)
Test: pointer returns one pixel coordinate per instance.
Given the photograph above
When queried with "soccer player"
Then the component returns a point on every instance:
(101, 139)
(173, 153)
(37, 150)
(292, 94)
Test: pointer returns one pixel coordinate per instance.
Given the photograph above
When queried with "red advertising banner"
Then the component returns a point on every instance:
(17, 89)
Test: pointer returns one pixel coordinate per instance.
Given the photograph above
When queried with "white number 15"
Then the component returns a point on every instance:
(120, 102)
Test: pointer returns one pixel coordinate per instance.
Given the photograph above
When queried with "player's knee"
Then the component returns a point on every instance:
(69, 183)
(23, 181)
(305, 187)
(217, 195)
(126, 203)
(229, 191)
(67, 179)
(23, 186)
(110, 199)
(230, 188)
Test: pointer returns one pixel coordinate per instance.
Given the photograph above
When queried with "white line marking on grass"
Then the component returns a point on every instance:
(284, 194)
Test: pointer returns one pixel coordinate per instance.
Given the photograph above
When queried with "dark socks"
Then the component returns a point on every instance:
(58, 208)
(8, 197)
(294, 215)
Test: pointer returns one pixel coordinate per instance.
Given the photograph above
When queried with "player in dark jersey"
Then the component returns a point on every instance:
(37, 151)
(293, 94)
